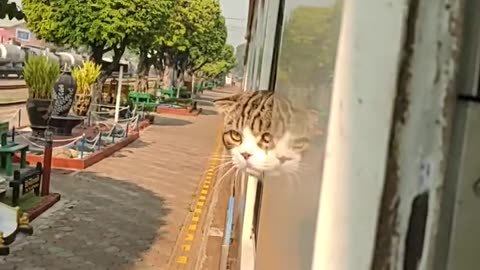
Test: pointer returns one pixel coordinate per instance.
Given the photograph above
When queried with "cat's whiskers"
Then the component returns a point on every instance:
(220, 180)
(223, 156)
(293, 176)
(221, 159)
(236, 174)
(222, 165)
(218, 154)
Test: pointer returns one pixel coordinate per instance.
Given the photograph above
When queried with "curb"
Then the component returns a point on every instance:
(16, 102)
(13, 87)
(47, 202)
(81, 164)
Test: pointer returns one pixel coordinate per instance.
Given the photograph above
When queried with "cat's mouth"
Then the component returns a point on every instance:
(249, 169)
(253, 171)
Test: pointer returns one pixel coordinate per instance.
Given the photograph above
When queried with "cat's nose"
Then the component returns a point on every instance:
(246, 155)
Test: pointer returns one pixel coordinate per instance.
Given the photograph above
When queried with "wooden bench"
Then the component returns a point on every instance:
(7, 150)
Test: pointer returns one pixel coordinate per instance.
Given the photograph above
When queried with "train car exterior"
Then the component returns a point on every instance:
(388, 183)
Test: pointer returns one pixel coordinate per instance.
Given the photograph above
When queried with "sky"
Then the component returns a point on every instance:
(235, 12)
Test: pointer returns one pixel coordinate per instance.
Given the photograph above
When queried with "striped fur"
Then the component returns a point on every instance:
(270, 123)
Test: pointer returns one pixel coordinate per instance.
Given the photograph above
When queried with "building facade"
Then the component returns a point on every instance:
(16, 32)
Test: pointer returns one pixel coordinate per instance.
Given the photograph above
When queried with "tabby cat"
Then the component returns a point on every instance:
(265, 133)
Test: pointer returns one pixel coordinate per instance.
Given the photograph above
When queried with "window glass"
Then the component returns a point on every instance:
(253, 50)
(259, 43)
(308, 44)
(271, 17)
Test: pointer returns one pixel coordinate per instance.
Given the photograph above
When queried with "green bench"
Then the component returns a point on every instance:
(172, 92)
(7, 151)
(198, 88)
(209, 85)
(146, 100)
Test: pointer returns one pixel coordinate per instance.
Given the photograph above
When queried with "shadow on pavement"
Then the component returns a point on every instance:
(166, 121)
(204, 103)
(209, 112)
(103, 224)
(139, 143)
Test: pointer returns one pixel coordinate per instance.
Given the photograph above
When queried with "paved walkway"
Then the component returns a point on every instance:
(126, 211)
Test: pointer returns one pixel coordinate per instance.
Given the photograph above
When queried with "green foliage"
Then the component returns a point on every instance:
(239, 68)
(223, 63)
(10, 10)
(85, 76)
(308, 46)
(308, 53)
(102, 25)
(159, 12)
(208, 41)
(40, 75)
(196, 32)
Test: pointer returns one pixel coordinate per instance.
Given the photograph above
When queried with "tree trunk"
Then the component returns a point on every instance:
(167, 74)
(142, 73)
(180, 78)
(97, 54)
(159, 76)
(96, 57)
(107, 70)
(98, 88)
(178, 81)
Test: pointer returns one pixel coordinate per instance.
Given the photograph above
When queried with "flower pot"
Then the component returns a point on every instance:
(81, 104)
(63, 125)
(38, 111)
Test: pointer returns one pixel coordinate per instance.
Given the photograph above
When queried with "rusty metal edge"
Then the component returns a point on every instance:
(390, 200)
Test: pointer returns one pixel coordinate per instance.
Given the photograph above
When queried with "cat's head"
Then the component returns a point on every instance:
(264, 133)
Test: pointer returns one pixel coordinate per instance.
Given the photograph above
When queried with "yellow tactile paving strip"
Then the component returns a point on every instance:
(184, 248)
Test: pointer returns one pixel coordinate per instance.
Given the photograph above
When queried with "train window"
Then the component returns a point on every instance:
(300, 66)
(272, 21)
(259, 44)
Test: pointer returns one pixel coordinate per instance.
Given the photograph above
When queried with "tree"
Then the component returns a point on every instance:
(102, 25)
(222, 64)
(208, 41)
(239, 55)
(196, 33)
(148, 49)
(10, 10)
(306, 62)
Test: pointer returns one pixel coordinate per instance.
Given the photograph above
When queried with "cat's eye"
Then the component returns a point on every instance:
(237, 137)
(266, 137)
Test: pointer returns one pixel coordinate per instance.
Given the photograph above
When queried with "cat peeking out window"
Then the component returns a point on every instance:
(265, 133)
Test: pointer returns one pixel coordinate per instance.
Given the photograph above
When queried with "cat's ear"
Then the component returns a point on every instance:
(224, 105)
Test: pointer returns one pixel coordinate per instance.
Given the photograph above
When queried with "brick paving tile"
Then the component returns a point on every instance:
(126, 211)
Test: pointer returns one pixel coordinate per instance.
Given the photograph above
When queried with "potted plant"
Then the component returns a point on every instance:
(85, 77)
(40, 74)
